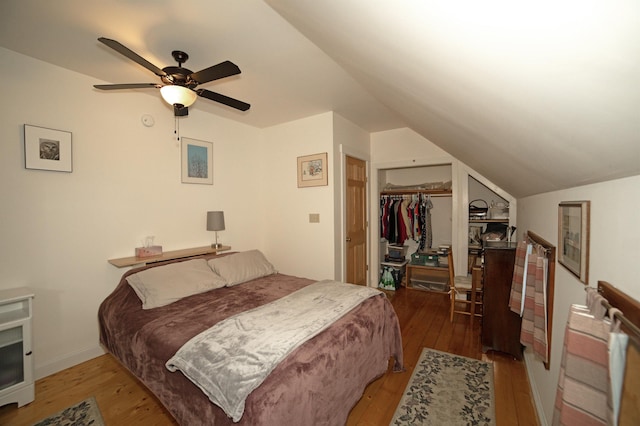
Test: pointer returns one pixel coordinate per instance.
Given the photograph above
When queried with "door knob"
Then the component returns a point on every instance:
(348, 239)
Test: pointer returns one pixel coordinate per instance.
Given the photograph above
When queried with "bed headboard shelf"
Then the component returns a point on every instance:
(124, 262)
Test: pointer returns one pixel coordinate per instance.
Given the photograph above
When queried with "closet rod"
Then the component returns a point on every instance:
(432, 192)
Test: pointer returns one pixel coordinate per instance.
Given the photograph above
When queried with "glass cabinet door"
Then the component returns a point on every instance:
(11, 357)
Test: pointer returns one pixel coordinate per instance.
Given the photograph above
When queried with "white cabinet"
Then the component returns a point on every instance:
(16, 359)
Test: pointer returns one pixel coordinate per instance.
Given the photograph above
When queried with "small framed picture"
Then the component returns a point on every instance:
(573, 237)
(47, 149)
(197, 161)
(312, 170)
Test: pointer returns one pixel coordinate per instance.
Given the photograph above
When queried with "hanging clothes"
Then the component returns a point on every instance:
(534, 314)
(393, 218)
(516, 298)
(618, 343)
(428, 228)
(401, 227)
(592, 365)
(528, 297)
(581, 398)
(426, 231)
(415, 207)
(383, 225)
(404, 217)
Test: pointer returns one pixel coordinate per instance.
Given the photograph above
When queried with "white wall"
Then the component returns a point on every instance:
(313, 250)
(294, 245)
(399, 147)
(613, 256)
(348, 140)
(59, 229)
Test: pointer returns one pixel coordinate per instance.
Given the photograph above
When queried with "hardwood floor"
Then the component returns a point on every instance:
(424, 319)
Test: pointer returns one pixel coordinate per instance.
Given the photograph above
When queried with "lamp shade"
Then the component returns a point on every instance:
(215, 221)
(173, 94)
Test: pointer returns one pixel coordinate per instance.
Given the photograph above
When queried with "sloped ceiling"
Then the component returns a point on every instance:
(536, 96)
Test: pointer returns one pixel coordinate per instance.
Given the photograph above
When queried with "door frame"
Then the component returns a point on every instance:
(342, 245)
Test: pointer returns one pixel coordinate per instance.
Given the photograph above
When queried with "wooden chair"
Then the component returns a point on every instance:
(465, 292)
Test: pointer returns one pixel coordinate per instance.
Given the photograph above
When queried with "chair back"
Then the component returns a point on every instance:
(452, 273)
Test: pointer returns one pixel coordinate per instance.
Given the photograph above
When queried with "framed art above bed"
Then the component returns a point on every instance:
(197, 161)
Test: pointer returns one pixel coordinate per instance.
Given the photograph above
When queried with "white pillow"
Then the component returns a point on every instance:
(241, 267)
(166, 284)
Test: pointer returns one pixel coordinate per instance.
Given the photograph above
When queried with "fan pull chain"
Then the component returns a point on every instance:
(176, 128)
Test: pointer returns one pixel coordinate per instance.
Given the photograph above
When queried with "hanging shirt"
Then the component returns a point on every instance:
(417, 221)
(383, 225)
(391, 235)
(423, 226)
(400, 225)
(404, 211)
(427, 219)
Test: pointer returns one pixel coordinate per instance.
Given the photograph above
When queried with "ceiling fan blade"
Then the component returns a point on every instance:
(132, 55)
(222, 70)
(125, 86)
(217, 97)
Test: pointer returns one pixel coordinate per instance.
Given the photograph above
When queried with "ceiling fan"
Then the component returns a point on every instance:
(178, 87)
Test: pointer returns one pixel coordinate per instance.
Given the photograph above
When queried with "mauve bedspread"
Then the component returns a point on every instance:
(317, 384)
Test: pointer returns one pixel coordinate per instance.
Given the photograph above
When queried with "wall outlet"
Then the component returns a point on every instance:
(314, 217)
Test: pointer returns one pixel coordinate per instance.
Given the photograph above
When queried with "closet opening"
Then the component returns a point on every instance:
(414, 213)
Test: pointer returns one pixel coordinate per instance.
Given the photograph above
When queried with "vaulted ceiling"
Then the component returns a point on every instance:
(535, 95)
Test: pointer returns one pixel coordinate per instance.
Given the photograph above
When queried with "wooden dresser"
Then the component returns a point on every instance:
(500, 326)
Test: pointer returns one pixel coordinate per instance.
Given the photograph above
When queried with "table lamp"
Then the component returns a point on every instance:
(215, 222)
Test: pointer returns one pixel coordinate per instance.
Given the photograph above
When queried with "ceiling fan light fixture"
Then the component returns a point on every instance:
(181, 95)
(178, 83)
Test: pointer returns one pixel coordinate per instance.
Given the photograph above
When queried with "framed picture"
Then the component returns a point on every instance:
(312, 170)
(197, 161)
(573, 237)
(47, 149)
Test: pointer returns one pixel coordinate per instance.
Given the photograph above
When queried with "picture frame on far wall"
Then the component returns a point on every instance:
(197, 161)
(313, 170)
(573, 237)
(47, 149)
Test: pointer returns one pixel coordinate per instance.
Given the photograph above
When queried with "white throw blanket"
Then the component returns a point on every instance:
(232, 358)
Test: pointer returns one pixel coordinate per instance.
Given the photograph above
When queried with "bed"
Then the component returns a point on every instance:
(317, 383)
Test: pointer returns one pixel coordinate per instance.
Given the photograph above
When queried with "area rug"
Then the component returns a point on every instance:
(447, 389)
(84, 413)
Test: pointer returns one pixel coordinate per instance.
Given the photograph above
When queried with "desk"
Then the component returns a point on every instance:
(167, 255)
(430, 278)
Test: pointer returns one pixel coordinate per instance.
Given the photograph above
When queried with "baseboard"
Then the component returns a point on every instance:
(67, 361)
(534, 390)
